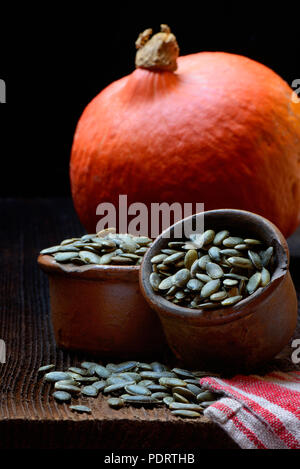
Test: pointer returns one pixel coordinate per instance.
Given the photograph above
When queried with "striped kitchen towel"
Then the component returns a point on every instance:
(258, 412)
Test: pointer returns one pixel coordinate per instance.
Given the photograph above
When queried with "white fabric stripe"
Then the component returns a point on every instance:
(291, 386)
(288, 419)
(229, 427)
(250, 421)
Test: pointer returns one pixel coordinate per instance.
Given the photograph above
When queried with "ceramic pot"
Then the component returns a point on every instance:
(100, 309)
(237, 337)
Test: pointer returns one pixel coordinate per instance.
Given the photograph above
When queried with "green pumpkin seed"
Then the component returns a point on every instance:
(171, 382)
(266, 256)
(62, 396)
(183, 373)
(136, 389)
(54, 376)
(253, 283)
(155, 281)
(231, 301)
(240, 262)
(159, 258)
(115, 402)
(182, 277)
(230, 282)
(185, 406)
(203, 261)
(232, 241)
(179, 398)
(252, 242)
(230, 252)
(168, 400)
(219, 296)
(214, 270)
(166, 283)
(160, 395)
(210, 288)
(190, 257)
(186, 413)
(220, 236)
(214, 254)
(65, 256)
(46, 368)
(185, 392)
(139, 399)
(203, 278)
(194, 284)
(194, 389)
(89, 391)
(67, 387)
(157, 388)
(99, 385)
(255, 259)
(80, 409)
(173, 258)
(102, 372)
(265, 277)
(205, 396)
(241, 247)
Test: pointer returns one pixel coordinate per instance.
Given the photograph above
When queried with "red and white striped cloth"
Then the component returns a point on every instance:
(258, 412)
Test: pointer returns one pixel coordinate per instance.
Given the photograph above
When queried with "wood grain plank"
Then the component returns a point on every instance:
(29, 416)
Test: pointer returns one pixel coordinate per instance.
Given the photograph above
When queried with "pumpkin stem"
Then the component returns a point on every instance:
(158, 52)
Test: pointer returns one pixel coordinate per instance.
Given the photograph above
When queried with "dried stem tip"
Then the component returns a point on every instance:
(158, 52)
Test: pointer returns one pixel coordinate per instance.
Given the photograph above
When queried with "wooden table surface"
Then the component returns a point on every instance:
(29, 416)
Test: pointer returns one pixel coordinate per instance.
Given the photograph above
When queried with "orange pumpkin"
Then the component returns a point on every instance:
(210, 127)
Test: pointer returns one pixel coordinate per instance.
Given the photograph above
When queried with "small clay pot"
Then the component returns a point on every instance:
(100, 309)
(238, 337)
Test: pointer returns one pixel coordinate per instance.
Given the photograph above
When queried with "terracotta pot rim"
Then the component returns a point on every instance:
(86, 272)
(222, 315)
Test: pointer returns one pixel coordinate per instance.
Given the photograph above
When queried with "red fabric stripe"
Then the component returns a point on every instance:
(276, 424)
(283, 397)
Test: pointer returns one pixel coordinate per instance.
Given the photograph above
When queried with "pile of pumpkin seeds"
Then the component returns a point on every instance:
(211, 270)
(105, 247)
(132, 383)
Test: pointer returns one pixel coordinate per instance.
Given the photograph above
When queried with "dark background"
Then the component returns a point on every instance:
(54, 61)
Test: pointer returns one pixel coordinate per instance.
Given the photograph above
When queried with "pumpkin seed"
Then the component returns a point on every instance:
(173, 258)
(157, 388)
(220, 236)
(210, 288)
(255, 259)
(179, 398)
(231, 301)
(252, 242)
(80, 409)
(90, 257)
(203, 278)
(99, 385)
(232, 241)
(116, 387)
(205, 396)
(219, 296)
(168, 400)
(190, 257)
(171, 382)
(194, 389)
(46, 368)
(265, 277)
(181, 277)
(214, 254)
(159, 258)
(214, 270)
(136, 389)
(194, 284)
(185, 392)
(157, 374)
(115, 402)
(185, 406)
(54, 376)
(102, 372)
(240, 262)
(160, 395)
(183, 373)
(253, 283)
(65, 256)
(186, 413)
(139, 399)
(62, 396)
(203, 261)
(166, 283)
(266, 256)
(229, 282)
(91, 391)
(67, 387)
